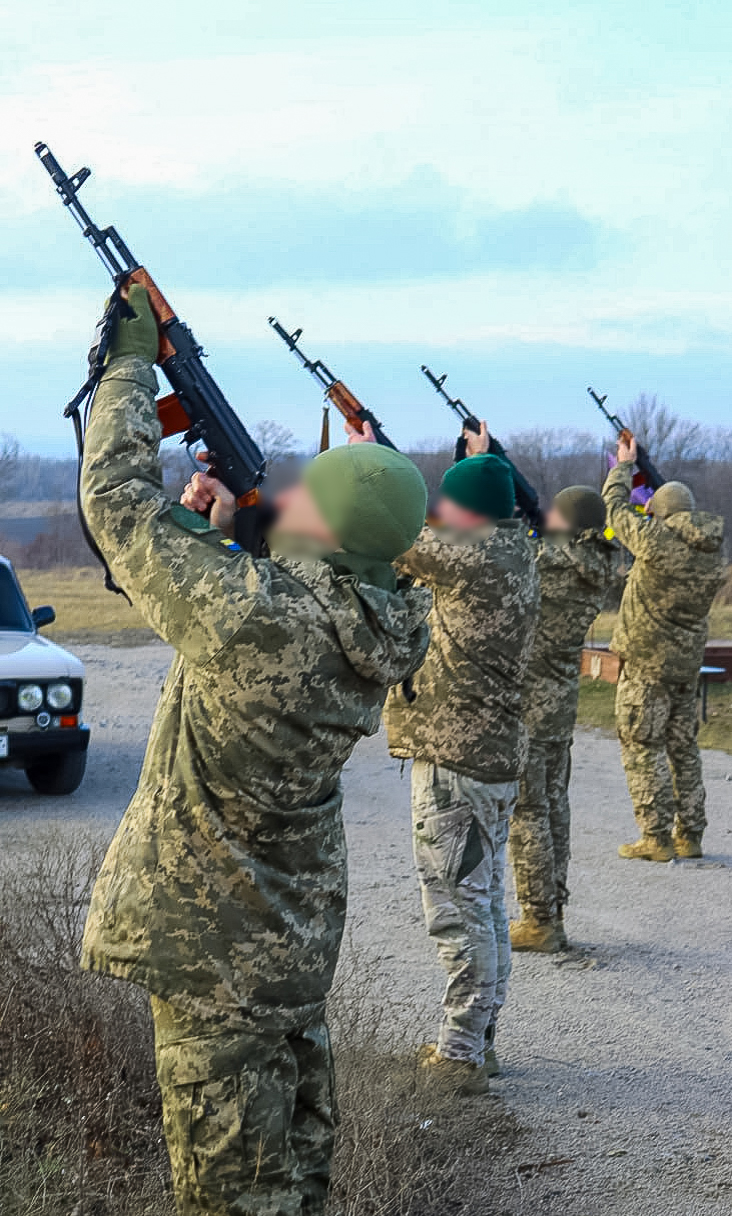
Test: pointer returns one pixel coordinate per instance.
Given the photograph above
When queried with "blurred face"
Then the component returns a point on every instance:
(555, 521)
(452, 515)
(297, 515)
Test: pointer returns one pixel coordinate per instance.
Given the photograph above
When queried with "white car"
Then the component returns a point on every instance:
(41, 691)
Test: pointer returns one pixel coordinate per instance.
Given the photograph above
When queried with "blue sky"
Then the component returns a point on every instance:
(530, 197)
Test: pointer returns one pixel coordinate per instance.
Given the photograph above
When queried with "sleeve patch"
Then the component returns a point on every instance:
(190, 520)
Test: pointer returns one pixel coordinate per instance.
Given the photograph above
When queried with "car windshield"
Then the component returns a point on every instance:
(13, 612)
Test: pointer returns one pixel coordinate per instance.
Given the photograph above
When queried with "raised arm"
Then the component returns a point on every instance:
(629, 527)
(175, 568)
(438, 560)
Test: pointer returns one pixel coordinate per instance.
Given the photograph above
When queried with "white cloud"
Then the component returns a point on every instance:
(478, 311)
(488, 111)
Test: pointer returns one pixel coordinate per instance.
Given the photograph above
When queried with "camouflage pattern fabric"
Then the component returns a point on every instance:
(460, 833)
(678, 569)
(224, 888)
(658, 725)
(466, 714)
(575, 574)
(540, 830)
(249, 1117)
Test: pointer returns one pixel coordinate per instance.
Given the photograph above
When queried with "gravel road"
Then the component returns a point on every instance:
(617, 1055)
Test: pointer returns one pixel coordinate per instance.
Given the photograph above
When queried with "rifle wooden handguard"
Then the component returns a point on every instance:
(349, 406)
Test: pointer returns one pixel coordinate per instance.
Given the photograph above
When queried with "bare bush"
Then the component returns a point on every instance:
(80, 1119)
(60, 543)
(79, 1104)
(404, 1148)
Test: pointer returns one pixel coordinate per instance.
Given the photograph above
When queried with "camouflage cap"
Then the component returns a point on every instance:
(373, 498)
(582, 507)
(671, 498)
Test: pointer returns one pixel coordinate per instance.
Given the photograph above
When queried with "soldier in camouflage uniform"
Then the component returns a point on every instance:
(224, 890)
(462, 728)
(660, 636)
(576, 564)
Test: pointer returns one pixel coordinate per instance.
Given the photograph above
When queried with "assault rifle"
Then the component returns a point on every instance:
(527, 499)
(650, 475)
(335, 390)
(197, 408)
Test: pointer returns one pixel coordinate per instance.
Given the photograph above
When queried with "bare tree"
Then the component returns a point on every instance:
(667, 437)
(552, 458)
(9, 462)
(277, 442)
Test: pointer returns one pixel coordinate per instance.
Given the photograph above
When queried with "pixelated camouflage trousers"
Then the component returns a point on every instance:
(460, 834)
(249, 1118)
(540, 829)
(657, 726)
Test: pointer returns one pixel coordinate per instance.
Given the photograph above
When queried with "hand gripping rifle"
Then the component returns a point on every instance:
(196, 409)
(527, 499)
(336, 392)
(648, 474)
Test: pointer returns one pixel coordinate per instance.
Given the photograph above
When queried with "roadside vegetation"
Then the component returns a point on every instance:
(85, 610)
(80, 1118)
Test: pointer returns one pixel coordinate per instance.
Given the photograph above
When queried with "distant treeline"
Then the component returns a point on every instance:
(550, 458)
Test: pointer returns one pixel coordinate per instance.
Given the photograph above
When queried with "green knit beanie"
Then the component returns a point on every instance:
(372, 498)
(483, 484)
(671, 498)
(582, 507)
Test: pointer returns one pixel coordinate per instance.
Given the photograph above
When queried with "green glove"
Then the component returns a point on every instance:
(138, 334)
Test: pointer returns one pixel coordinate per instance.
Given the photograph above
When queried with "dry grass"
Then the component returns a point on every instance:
(85, 610)
(80, 1129)
(597, 709)
(79, 1105)
(720, 618)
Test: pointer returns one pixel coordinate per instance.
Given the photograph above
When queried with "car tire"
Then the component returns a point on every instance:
(57, 774)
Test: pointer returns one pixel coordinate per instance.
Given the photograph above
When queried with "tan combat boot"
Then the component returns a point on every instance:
(688, 844)
(648, 848)
(540, 936)
(456, 1077)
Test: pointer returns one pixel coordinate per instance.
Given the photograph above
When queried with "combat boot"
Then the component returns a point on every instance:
(559, 926)
(539, 936)
(688, 844)
(649, 848)
(457, 1077)
(492, 1067)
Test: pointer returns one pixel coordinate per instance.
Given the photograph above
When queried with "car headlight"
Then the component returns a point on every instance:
(59, 696)
(30, 697)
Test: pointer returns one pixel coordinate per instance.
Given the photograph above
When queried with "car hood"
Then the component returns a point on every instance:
(28, 656)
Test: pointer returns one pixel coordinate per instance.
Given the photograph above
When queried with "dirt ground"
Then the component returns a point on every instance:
(617, 1056)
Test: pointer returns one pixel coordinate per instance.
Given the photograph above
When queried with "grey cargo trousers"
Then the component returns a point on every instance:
(460, 832)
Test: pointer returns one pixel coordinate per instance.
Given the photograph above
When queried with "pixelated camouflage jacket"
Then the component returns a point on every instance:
(575, 573)
(466, 714)
(224, 889)
(679, 567)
